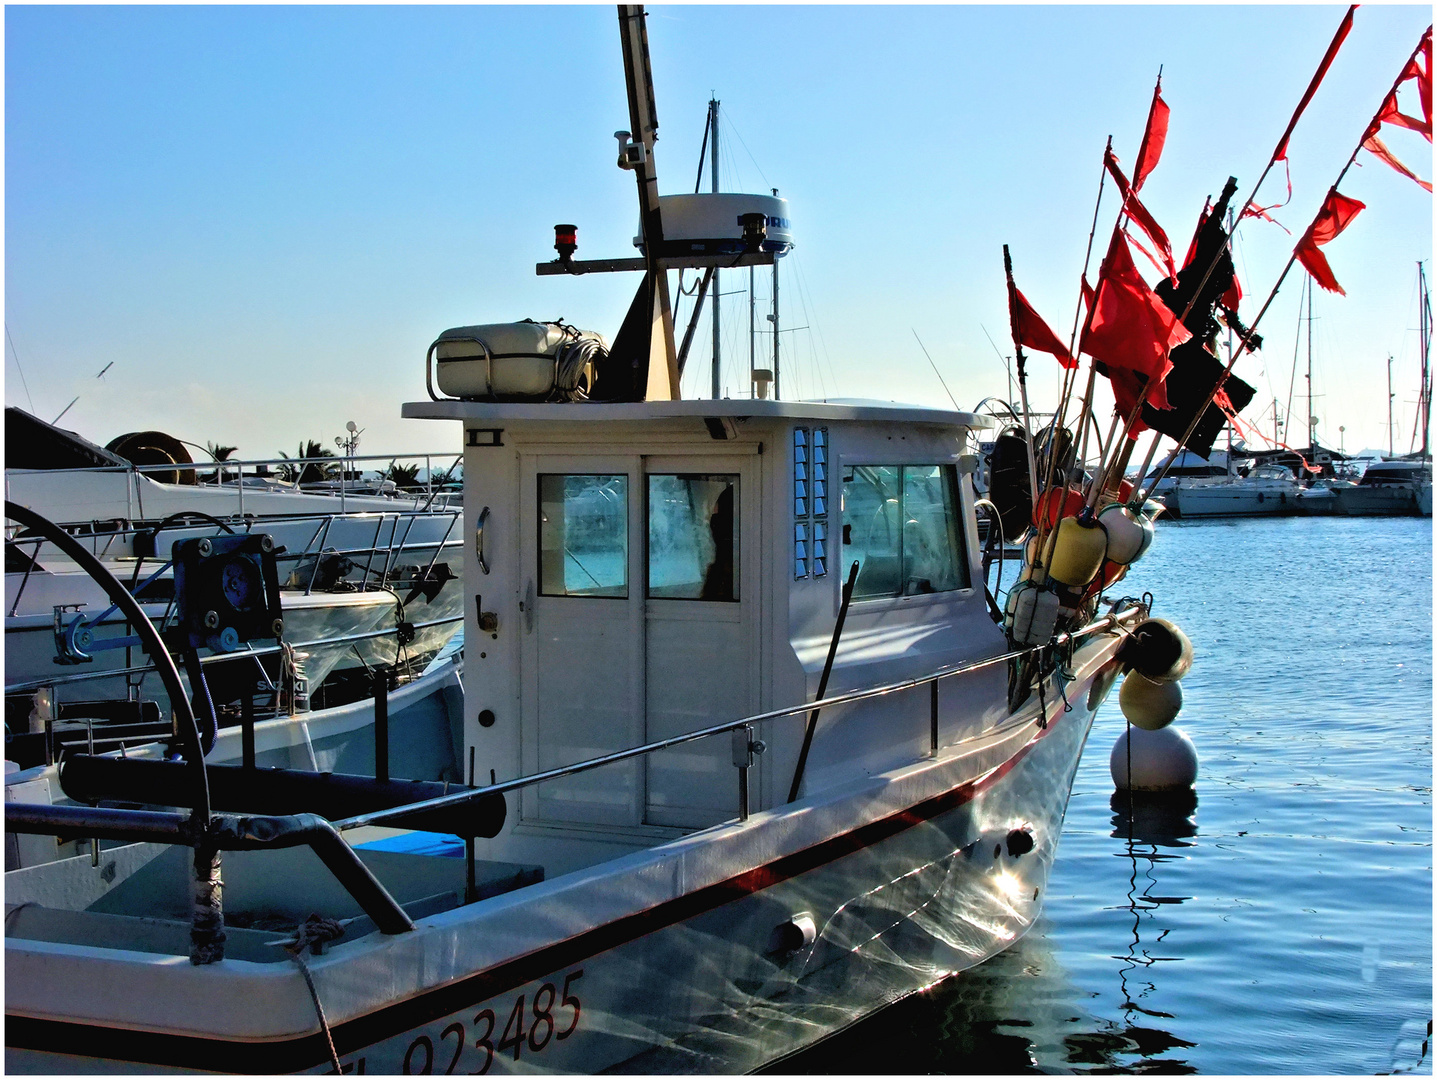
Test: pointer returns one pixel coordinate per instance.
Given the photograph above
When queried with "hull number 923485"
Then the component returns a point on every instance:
(533, 1024)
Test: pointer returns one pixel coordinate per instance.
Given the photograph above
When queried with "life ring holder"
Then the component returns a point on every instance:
(429, 368)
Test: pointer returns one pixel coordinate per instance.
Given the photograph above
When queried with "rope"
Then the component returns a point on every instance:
(315, 930)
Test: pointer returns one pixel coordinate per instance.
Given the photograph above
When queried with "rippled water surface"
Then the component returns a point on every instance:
(1284, 923)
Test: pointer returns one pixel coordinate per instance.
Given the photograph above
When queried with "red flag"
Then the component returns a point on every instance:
(1391, 112)
(1139, 213)
(1379, 148)
(1341, 36)
(1127, 388)
(1029, 328)
(1336, 214)
(1424, 83)
(1154, 136)
(1129, 326)
(1202, 220)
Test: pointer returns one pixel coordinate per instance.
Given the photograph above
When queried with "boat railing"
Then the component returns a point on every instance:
(399, 540)
(231, 832)
(742, 730)
(32, 685)
(338, 477)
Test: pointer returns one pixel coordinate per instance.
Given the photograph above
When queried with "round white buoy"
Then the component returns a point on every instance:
(1149, 704)
(1129, 534)
(1162, 760)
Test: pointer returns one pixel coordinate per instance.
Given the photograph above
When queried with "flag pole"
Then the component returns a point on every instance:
(1022, 362)
(1244, 344)
(1070, 375)
(1281, 147)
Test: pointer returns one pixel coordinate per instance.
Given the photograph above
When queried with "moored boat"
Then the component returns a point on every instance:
(1388, 488)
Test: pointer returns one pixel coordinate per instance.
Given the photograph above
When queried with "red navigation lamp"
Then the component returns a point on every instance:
(566, 241)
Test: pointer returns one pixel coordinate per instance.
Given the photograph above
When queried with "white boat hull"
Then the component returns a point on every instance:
(660, 961)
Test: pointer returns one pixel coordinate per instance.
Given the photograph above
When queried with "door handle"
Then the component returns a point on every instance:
(527, 607)
(479, 539)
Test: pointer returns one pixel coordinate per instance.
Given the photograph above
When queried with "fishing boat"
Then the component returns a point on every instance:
(751, 751)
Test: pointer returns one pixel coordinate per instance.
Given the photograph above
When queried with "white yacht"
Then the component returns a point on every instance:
(1268, 490)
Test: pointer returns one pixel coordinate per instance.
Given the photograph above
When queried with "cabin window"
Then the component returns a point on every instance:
(584, 535)
(901, 523)
(693, 536)
(810, 502)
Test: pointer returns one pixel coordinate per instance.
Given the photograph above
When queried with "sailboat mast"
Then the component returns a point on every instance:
(1391, 447)
(1424, 394)
(1311, 416)
(714, 176)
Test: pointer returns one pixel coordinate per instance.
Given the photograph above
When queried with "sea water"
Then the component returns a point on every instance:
(1283, 924)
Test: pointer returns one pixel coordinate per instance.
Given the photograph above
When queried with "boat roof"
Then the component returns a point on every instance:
(832, 409)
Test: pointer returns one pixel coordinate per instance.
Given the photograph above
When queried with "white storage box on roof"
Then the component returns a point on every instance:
(537, 360)
(712, 223)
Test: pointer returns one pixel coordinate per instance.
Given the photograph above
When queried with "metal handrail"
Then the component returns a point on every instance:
(380, 816)
(263, 650)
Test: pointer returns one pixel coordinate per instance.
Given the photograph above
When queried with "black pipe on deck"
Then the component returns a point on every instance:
(227, 832)
(278, 791)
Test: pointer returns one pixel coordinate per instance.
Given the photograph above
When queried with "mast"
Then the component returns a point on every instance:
(1391, 450)
(714, 175)
(751, 358)
(775, 322)
(1311, 416)
(637, 153)
(1424, 394)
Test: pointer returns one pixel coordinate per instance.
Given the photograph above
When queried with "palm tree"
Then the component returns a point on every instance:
(405, 477)
(217, 452)
(313, 472)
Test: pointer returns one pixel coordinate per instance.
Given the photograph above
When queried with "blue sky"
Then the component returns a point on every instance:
(263, 215)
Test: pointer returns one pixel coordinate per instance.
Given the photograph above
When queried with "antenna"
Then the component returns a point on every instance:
(935, 369)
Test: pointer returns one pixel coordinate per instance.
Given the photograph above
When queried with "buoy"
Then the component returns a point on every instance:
(1159, 650)
(1057, 503)
(1164, 760)
(1129, 534)
(1147, 704)
(1078, 551)
(1032, 613)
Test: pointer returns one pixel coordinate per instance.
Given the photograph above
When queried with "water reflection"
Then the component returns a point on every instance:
(1145, 822)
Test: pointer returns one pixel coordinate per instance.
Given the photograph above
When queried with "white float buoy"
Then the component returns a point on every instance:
(1162, 760)
(1129, 534)
(1149, 704)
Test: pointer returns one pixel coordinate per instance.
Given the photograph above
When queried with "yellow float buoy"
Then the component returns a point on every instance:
(1148, 704)
(1078, 551)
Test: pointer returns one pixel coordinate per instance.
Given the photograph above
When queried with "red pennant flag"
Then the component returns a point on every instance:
(1377, 147)
(1139, 213)
(1328, 57)
(1391, 112)
(1336, 214)
(1424, 82)
(1127, 389)
(1129, 326)
(1088, 295)
(1029, 328)
(1155, 135)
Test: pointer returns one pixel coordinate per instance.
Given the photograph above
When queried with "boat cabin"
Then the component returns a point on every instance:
(644, 570)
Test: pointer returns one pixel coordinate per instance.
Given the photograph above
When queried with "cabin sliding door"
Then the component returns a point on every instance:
(700, 622)
(582, 653)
